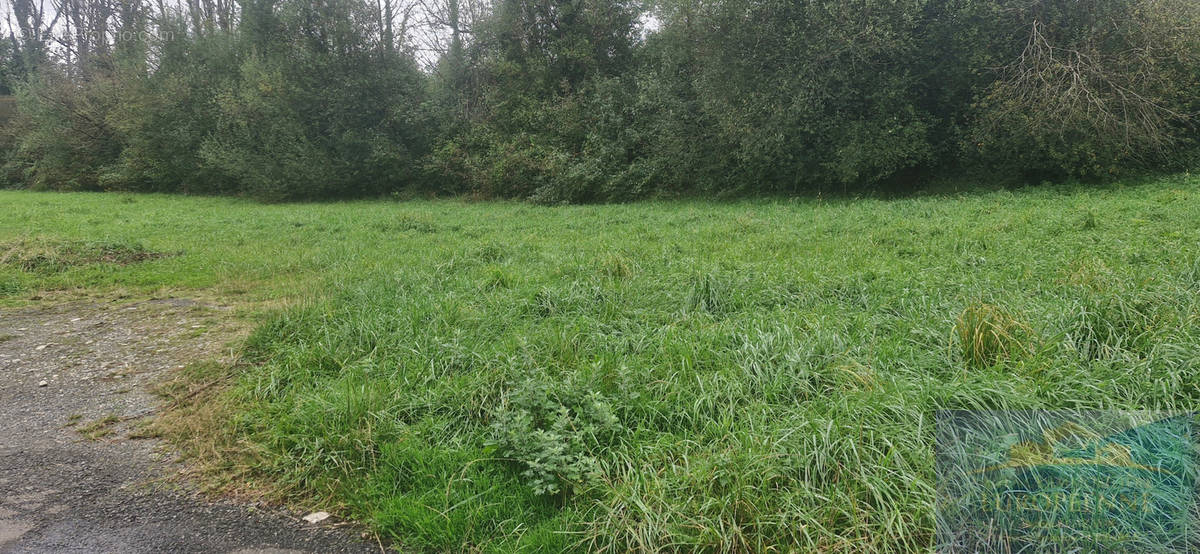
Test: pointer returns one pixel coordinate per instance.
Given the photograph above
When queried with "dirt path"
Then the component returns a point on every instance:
(71, 369)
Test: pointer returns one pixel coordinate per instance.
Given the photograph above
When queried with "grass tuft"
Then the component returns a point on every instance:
(1088, 221)
(10, 285)
(98, 429)
(709, 293)
(497, 278)
(407, 223)
(1106, 326)
(987, 335)
(616, 266)
(490, 253)
(57, 256)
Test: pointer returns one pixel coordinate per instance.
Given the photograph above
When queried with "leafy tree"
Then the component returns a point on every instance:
(324, 107)
(539, 60)
(1091, 88)
(8, 67)
(578, 101)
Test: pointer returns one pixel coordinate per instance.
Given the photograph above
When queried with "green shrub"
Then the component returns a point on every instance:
(64, 139)
(556, 436)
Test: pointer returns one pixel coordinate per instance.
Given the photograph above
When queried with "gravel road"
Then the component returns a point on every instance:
(88, 367)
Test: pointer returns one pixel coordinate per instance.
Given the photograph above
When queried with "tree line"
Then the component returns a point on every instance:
(591, 100)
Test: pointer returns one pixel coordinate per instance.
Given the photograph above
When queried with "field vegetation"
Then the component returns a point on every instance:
(757, 375)
(747, 359)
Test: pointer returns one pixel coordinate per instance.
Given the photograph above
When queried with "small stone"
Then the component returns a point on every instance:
(42, 347)
(42, 383)
(316, 517)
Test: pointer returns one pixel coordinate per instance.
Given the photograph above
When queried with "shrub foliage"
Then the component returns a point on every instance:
(596, 100)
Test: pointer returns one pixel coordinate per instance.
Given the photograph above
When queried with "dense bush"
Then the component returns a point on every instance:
(804, 94)
(307, 104)
(581, 101)
(63, 135)
(557, 438)
(1093, 90)
(735, 98)
(166, 116)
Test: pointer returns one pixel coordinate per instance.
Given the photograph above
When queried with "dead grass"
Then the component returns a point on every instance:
(45, 256)
(99, 428)
(196, 419)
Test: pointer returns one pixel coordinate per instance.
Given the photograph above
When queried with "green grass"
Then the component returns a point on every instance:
(747, 376)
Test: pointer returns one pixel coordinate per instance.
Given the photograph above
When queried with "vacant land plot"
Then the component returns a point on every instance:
(730, 377)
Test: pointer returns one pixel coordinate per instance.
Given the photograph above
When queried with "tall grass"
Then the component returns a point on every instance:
(987, 335)
(676, 376)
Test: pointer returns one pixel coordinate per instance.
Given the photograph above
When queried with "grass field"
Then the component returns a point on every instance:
(750, 376)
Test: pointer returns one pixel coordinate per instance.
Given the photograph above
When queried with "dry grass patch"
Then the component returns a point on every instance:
(54, 256)
(987, 334)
